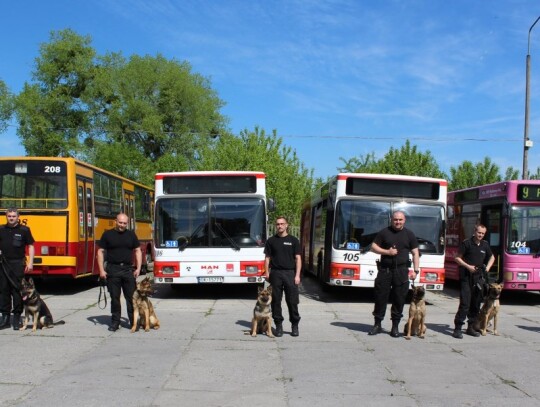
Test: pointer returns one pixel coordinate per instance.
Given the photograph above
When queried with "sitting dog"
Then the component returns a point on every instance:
(35, 306)
(262, 313)
(417, 314)
(489, 310)
(143, 308)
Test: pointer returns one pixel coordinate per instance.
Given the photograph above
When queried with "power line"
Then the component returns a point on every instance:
(314, 136)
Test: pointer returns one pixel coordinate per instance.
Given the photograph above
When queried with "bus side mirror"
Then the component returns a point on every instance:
(271, 206)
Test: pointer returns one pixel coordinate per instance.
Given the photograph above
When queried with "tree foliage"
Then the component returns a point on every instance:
(407, 160)
(288, 182)
(136, 116)
(51, 111)
(468, 175)
(6, 105)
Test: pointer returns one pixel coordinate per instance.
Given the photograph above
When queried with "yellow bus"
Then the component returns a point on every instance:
(68, 204)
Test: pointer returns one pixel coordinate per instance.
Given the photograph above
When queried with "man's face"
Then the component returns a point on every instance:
(281, 225)
(121, 223)
(398, 221)
(479, 233)
(12, 218)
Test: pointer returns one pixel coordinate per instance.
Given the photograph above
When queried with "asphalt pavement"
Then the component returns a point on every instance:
(203, 355)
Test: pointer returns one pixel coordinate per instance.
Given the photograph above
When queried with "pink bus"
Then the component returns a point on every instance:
(511, 212)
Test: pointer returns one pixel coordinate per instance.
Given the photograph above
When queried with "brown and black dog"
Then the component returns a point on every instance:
(417, 314)
(143, 308)
(489, 310)
(35, 306)
(262, 313)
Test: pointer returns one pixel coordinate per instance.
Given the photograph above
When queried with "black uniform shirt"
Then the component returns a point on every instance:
(282, 252)
(403, 240)
(13, 241)
(475, 254)
(119, 246)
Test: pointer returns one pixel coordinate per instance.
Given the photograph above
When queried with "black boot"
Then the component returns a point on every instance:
(394, 333)
(279, 330)
(4, 321)
(16, 322)
(472, 332)
(294, 330)
(457, 333)
(376, 328)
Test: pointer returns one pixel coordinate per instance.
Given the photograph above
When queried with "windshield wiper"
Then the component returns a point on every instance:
(228, 237)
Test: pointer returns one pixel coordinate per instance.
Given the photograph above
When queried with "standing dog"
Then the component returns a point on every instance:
(143, 308)
(35, 306)
(489, 310)
(417, 314)
(262, 313)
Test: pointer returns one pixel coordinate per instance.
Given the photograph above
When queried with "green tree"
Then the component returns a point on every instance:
(51, 112)
(288, 182)
(468, 175)
(404, 161)
(6, 105)
(511, 173)
(134, 116)
(156, 106)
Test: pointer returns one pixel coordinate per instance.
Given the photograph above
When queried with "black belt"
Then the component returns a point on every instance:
(16, 260)
(120, 264)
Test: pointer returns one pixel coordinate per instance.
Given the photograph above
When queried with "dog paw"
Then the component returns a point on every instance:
(254, 335)
(407, 337)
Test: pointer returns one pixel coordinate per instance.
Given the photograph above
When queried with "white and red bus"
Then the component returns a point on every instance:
(210, 227)
(344, 216)
(511, 212)
(68, 204)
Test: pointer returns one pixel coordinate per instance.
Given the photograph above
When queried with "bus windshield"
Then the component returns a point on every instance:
(33, 191)
(210, 222)
(524, 237)
(360, 221)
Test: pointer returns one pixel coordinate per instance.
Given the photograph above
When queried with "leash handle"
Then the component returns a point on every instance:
(102, 292)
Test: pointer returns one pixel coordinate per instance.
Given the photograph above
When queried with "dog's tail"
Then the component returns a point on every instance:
(61, 322)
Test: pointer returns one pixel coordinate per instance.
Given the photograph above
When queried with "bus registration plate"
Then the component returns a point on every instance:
(210, 279)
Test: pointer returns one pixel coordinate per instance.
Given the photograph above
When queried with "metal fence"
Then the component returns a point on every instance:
(293, 230)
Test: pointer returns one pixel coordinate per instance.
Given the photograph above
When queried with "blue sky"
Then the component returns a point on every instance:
(335, 78)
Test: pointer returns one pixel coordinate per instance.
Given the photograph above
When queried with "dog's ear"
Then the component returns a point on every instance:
(30, 281)
(269, 289)
(260, 289)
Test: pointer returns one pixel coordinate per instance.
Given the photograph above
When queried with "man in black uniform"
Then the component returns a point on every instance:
(14, 238)
(474, 254)
(394, 244)
(116, 249)
(283, 266)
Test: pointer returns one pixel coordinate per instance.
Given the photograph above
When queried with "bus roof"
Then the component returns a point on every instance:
(161, 175)
(343, 176)
(79, 162)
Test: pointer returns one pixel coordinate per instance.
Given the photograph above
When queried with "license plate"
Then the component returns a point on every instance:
(210, 279)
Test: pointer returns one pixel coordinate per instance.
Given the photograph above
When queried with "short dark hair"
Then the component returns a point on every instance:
(284, 218)
(9, 210)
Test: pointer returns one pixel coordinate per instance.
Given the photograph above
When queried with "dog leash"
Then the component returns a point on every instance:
(102, 291)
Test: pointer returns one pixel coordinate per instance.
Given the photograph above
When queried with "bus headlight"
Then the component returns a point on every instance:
(347, 273)
(252, 269)
(167, 270)
(430, 276)
(522, 276)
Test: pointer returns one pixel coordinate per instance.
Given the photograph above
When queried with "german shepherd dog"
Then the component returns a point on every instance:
(262, 313)
(417, 314)
(143, 308)
(489, 310)
(35, 305)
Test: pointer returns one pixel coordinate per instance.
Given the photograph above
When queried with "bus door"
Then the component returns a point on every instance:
(85, 213)
(129, 208)
(492, 218)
